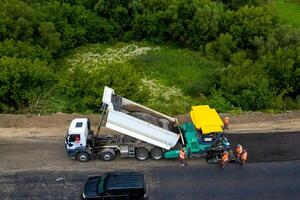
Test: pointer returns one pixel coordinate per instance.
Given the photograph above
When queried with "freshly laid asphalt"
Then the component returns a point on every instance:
(264, 147)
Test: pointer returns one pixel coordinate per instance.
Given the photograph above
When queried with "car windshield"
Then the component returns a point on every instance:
(101, 184)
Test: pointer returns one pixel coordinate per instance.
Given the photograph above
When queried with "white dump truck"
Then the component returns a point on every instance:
(143, 132)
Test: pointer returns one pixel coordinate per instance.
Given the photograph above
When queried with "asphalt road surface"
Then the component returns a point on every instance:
(29, 169)
(24, 155)
(273, 180)
(262, 147)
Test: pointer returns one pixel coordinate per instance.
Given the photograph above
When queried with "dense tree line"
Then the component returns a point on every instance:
(261, 57)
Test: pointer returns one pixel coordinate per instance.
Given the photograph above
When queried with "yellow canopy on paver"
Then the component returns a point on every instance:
(206, 119)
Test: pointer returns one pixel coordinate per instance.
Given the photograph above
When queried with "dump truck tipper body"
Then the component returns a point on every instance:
(143, 132)
(120, 120)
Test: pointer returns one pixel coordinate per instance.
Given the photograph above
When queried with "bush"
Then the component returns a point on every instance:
(235, 4)
(291, 104)
(218, 101)
(246, 84)
(263, 57)
(17, 20)
(222, 48)
(283, 71)
(82, 90)
(18, 49)
(24, 83)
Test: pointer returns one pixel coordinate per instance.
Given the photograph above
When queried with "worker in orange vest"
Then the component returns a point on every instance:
(182, 155)
(244, 156)
(224, 159)
(226, 123)
(238, 152)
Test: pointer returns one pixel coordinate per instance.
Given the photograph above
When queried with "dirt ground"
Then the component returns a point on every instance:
(54, 126)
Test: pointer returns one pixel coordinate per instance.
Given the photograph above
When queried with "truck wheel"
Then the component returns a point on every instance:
(141, 153)
(156, 153)
(107, 155)
(83, 157)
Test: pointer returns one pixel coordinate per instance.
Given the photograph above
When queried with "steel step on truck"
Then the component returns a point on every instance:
(143, 133)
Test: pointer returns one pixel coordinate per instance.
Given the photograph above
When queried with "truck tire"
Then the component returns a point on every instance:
(141, 153)
(107, 155)
(156, 153)
(83, 157)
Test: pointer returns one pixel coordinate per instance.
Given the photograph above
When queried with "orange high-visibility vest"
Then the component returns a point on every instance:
(225, 157)
(244, 155)
(182, 154)
(226, 121)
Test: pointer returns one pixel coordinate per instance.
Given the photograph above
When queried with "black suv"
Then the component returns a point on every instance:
(116, 185)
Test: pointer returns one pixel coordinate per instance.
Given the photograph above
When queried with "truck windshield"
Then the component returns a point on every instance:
(101, 185)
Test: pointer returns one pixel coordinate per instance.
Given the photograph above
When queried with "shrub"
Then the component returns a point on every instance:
(82, 90)
(12, 48)
(218, 101)
(23, 83)
(246, 84)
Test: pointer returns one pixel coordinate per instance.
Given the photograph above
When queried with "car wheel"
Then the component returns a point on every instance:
(141, 153)
(156, 153)
(83, 157)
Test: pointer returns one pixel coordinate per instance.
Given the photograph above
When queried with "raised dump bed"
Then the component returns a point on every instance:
(120, 118)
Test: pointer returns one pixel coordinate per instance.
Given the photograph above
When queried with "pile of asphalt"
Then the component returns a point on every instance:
(262, 147)
(163, 123)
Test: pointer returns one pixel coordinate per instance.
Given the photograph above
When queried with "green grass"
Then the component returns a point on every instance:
(288, 12)
(169, 66)
(179, 68)
(176, 67)
(176, 77)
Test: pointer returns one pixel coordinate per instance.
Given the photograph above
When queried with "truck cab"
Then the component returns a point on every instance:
(76, 138)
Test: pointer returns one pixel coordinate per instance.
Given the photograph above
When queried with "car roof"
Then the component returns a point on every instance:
(124, 180)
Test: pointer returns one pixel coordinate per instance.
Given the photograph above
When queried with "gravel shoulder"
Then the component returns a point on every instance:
(54, 126)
